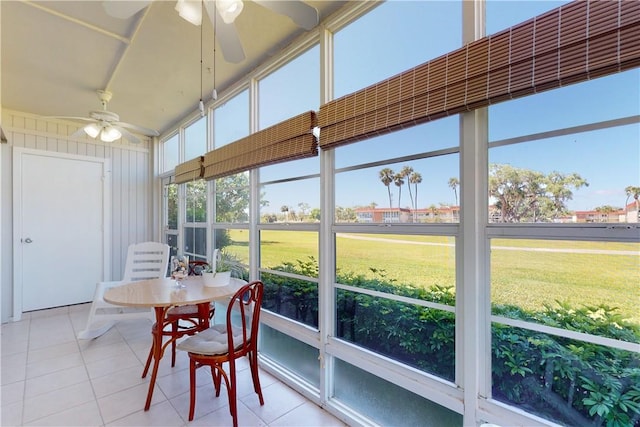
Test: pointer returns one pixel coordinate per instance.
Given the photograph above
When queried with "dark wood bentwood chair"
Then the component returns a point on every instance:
(227, 342)
(188, 314)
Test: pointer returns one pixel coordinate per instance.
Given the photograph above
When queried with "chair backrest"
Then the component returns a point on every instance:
(148, 260)
(197, 267)
(246, 303)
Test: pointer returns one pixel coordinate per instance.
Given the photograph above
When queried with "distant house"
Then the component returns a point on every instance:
(614, 216)
(387, 215)
(633, 212)
(405, 215)
(451, 214)
(597, 216)
(439, 214)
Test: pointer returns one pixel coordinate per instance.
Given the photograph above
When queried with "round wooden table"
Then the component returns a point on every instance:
(162, 295)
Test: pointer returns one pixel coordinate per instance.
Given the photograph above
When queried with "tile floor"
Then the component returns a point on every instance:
(49, 378)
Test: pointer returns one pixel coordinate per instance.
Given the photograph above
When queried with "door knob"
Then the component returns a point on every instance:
(27, 240)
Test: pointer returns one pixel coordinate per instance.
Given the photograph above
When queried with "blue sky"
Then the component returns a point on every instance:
(399, 35)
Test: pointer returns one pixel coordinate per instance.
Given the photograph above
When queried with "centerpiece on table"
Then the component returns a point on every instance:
(179, 269)
(218, 273)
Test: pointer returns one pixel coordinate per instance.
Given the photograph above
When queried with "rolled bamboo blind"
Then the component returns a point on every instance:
(289, 140)
(573, 43)
(190, 170)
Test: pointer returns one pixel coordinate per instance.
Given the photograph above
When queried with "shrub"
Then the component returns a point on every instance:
(564, 380)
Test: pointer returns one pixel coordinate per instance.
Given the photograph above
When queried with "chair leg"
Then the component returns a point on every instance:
(148, 364)
(231, 388)
(192, 388)
(174, 332)
(253, 366)
(216, 374)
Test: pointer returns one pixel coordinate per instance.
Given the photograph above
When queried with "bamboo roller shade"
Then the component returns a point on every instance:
(288, 140)
(190, 170)
(573, 43)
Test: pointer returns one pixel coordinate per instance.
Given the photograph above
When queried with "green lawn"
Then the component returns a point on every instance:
(526, 273)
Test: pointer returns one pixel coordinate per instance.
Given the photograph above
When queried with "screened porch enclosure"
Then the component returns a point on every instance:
(449, 235)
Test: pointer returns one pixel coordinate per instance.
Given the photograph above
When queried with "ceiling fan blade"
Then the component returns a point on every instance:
(77, 134)
(302, 14)
(84, 119)
(226, 34)
(128, 135)
(124, 9)
(138, 129)
(230, 44)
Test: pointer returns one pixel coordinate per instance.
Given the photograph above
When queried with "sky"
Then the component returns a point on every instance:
(402, 34)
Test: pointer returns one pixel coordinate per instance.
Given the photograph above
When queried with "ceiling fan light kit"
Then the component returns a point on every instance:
(107, 133)
(229, 9)
(110, 134)
(92, 130)
(190, 10)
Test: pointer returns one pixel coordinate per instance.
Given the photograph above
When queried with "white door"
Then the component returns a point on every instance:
(60, 223)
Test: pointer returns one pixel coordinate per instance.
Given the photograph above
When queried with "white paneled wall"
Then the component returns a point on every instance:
(131, 186)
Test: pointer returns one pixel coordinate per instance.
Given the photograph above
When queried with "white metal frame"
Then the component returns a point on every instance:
(470, 394)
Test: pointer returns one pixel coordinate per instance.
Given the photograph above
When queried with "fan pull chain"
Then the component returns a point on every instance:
(201, 103)
(214, 92)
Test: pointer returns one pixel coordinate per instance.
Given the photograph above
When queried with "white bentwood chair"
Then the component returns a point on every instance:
(148, 260)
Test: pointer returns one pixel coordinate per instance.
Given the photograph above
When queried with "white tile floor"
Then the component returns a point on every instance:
(49, 378)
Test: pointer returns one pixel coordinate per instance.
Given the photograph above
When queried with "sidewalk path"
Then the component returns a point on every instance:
(506, 248)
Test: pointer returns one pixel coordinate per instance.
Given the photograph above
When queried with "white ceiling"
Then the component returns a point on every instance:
(56, 54)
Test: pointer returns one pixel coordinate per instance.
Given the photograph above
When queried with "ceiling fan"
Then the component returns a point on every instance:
(107, 125)
(222, 13)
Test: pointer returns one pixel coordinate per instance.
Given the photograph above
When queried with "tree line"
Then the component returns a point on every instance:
(516, 194)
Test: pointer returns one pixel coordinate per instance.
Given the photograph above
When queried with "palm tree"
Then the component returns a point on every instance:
(454, 183)
(434, 212)
(386, 176)
(415, 178)
(605, 212)
(398, 180)
(406, 172)
(304, 207)
(635, 192)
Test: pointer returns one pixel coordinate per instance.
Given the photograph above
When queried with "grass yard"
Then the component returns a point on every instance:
(424, 262)
(278, 247)
(526, 273)
(533, 279)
